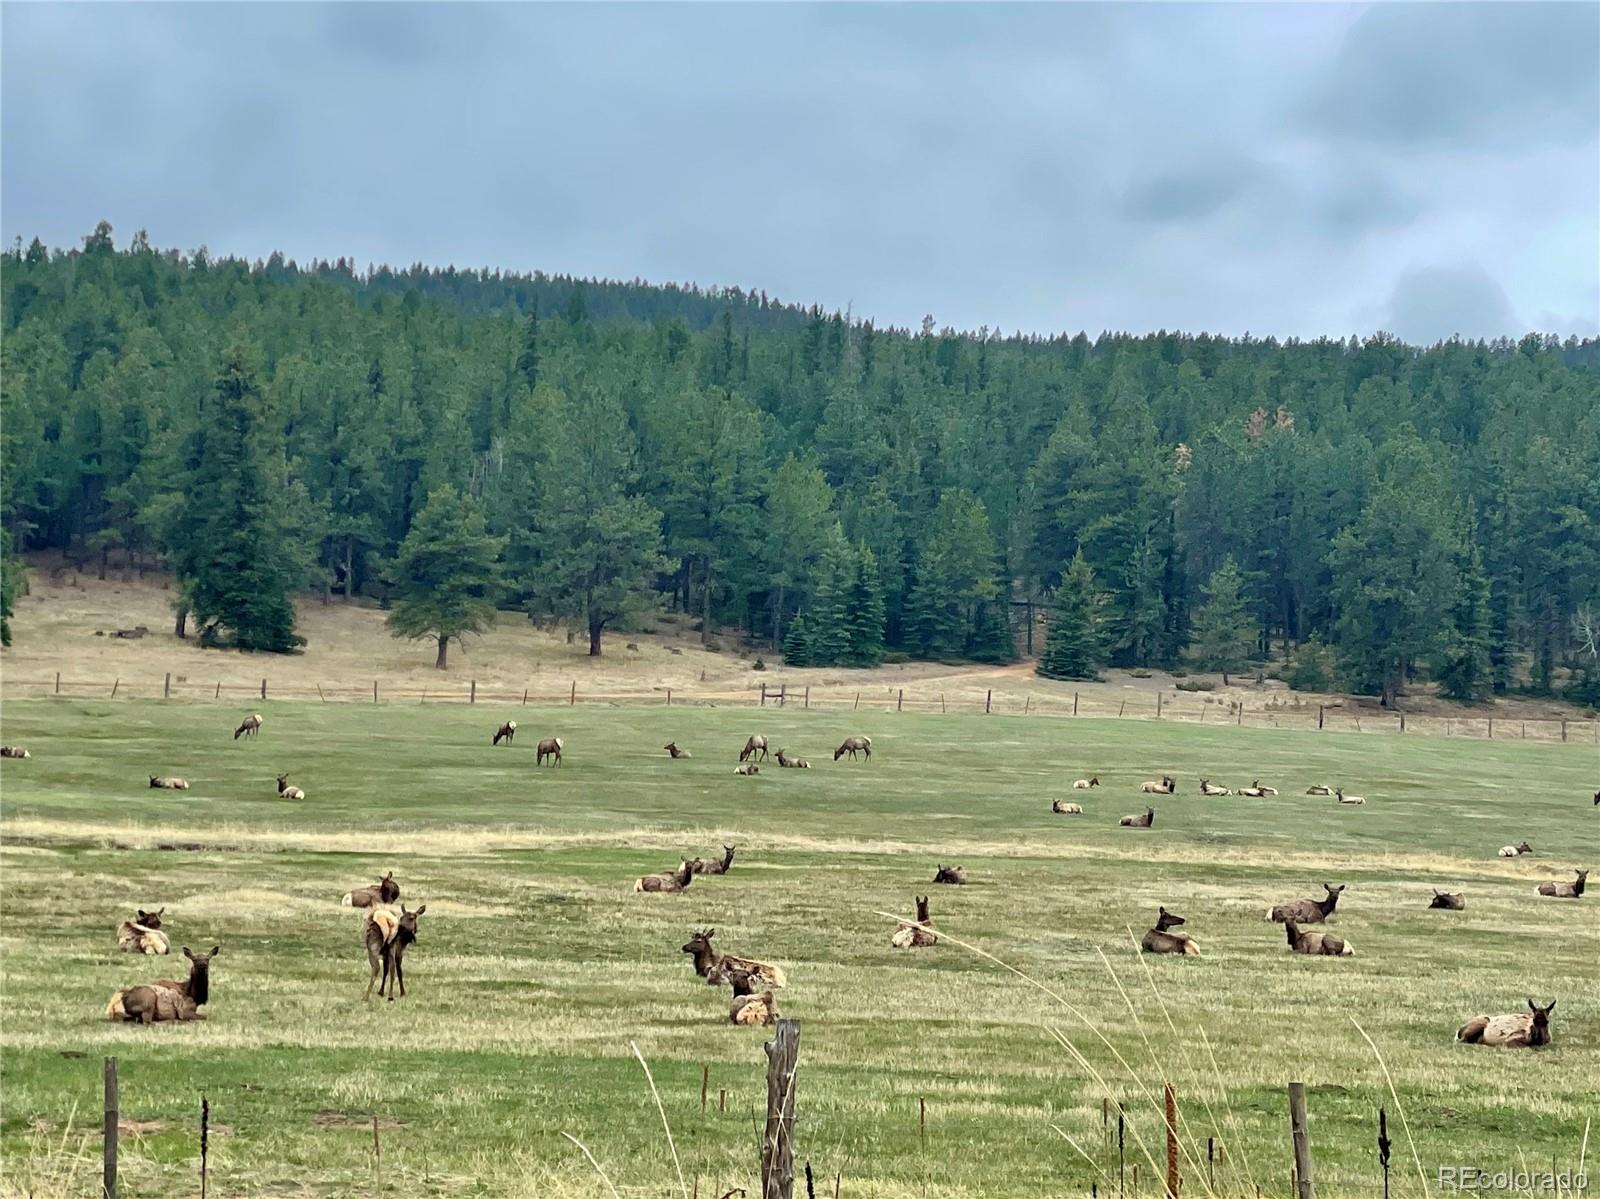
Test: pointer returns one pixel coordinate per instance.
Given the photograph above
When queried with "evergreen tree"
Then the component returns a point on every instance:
(955, 577)
(446, 573)
(13, 574)
(797, 645)
(865, 614)
(1463, 669)
(828, 620)
(1075, 644)
(1224, 636)
(528, 355)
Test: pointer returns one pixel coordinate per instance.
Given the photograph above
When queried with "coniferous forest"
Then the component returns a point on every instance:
(451, 442)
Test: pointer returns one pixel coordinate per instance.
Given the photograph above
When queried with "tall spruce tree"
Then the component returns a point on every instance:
(1075, 646)
(865, 615)
(1224, 634)
(1464, 670)
(12, 577)
(446, 573)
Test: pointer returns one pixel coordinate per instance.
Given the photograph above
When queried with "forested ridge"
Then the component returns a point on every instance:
(457, 440)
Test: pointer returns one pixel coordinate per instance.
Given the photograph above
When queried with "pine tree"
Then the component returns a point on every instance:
(828, 622)
(12, 574)
(446, 572)
(797, 645)
(1463, 669)
(528, 356)
(1224, 631)
(866, 611)
(1075, 645)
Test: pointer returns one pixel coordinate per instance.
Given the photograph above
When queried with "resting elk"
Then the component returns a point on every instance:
(1517, 1030)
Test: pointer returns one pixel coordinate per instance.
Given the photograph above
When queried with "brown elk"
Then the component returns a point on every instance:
(1446, 902)
(676, 751)
(789, 763)
(747, 768)
(13, 751)
(143, 934)
(748, 1007)
(713, 966)
(714, 865)
(168, 783)
(1316, 943)
(551, 748)
(1166, 786)
(1572, 890)
(1084, 784)
(506, 732)
(1256, 791)
(250, 727)
(386, 937)
(918, 935)
(953, 875)
(1159, 940)
(287, 792)
(167, 999)
(1517, 1030)
(1144, 819)
(1206, 788)
(853, 746)
(1062, 808)
(1308, 911)
(667, 880)
(385, 890)
(756, 744)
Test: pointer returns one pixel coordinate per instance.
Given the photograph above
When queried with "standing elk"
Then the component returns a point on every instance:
(13, 751)
(1144, 819)
(1572, 890)
(852, 746)
(506, 732)
(167, 999)
(713, 966)
(168, 783)
(384, 891)
(1517, 1030)
(1317, 943)
(1084, 784)
(1446, 902)
(1166, 786)
(551, 748)
(143, 934)
(918, 935)
(667, 881)
(1159, 940)
(714, 865)
(674, 750)
(250, 726)
(386, 937)
(287, 792)
(756, 744)
(1308, 911)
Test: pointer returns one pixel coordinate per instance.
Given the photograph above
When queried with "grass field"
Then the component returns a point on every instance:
(537, 967)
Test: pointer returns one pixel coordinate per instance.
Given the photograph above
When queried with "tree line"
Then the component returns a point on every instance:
(592, 451)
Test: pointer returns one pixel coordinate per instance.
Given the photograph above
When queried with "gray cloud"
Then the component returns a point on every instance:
(1430, 303)
(1041, 167)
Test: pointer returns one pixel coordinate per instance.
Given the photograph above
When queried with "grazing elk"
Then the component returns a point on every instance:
(756, 744)
(1515, 851)
(853, 746)
(13, 751)
(667, 880)
(674, 750)
(1207, 789)
(1348, 799)
(168, 783)
(1446, 902)
(249, 727)
(789, 763)
(1308, 911)
(748, 768)
(918, 935)
(506, 732)
(384, 891)
(287, 792)
(1572, 890)
(1517, 1030)
(143, 934)
(1319, 789)
(1166, 786)
(714, 865)
(713, 966)
(1084, 784)
(1317, 943)
(1159, 940)
(551, 748)
(386, 937)
(1062, 808)
(748, 1007)
(954, 875)
(1144, 819)
(167, 999)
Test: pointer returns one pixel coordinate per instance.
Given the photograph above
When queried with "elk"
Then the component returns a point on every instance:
(1348, 799)
(749, 1008)
(852, 746)
(288, 792)
(1166, 786)
(918, 935)
(1317, 943)
(1159, 940)
(1207, 789)
(143, 934)
(1319, 789)
(1256, 791)
(1514, 1031)
(1572, 890)
(168, 783)
(755, 744)
(506, 732)
(1144, 819)
(384, 891)
(1308, 911)
(954, 875)
(714, 865)
(786, 761)
(674, 750)
(748, 768)
(713, 966)
(1444, 901)
(667, 880)
(1515, 851)
(1084, 784)
(250, 727)
(551, 748)
(16, 751)
(1062, 808)
(1596, 794)
(167, 999)
(386, 937)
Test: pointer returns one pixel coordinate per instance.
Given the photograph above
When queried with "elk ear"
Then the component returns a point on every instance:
(420, 910)
(187, 954)
(1532, 1006)
(403, 911)
(215, 949)
(1551, 1008)
(709, 933)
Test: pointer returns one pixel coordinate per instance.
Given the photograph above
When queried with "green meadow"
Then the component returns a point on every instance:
(538, 971)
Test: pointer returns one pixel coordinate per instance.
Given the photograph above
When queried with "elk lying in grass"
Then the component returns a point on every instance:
(1445, 901)
(1515, 851)
(1165, 786)
(287, 792)
(386, 937)
(1062, 808)
(674, 750)
(747, 768)
(249, 727)
(385, 890)
(789, 763)
(954, 875)
(1256, 791)
(143, 934)
(1572, 890)
(853, 746)
(753, 746)
(1517, 1030)
(163, 782)
(1144, 819)
(1308, 911)
(13, 751)
(1084, 784)
(667, 880)
(1348, 799)
(918, 935)
(1319, 789)
(748, 1007)
(713, 966)
(506, 732)
(714, 865)
(1159, 940)
(167, 999)
(1206, 788)
(1315, 943)
(551, 748)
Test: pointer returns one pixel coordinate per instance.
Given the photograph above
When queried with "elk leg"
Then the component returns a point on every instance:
(400, 974)
(372, 957)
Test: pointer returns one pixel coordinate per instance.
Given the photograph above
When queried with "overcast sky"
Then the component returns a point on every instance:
(1428, 169)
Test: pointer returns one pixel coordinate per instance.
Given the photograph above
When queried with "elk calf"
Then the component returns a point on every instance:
(1517, 1030)
(13, 751)
(168, 783)
(167, 999)
(386, 937)
(1316, 943)
(954, 875)
(1084, 784)
(676, 751)
(714, 865)
(385, 890)
(853, 746)
(1444, 901)
(754, 745)
(918, 935)
(1144, 819)
(1159, 940)
(506, 732)
(250, 727)
(551, 748)
(143, 934)
(288, 792)
(1062, 808)
(667, 880)
(1572, 890)
(1515, 851)
(749, 1008)
(1308, 911)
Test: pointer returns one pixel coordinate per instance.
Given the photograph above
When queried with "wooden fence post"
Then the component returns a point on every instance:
(669, 697)
(1158, 705)
(374, 690)
(1563, 730)
(1027, 703)
(1172, 1143)
(114, 687)
(58, 682)
(763, 695)
(472, 696)
(777, 1144)
(1074, 703)
(1491, 728)
(573, 699)
(524, 697)
(783, 694)
(1383, 1148)
(857, 704)
(1319, 716)
(1120, 710)
(988, 700)
(263, 688)
(217, 694)
(900, 702)
(1302, 1141)
(1240, 721)
(321, 696)
(705, 1082)
(108, 1183)
(166, 687)
(205, 1141)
